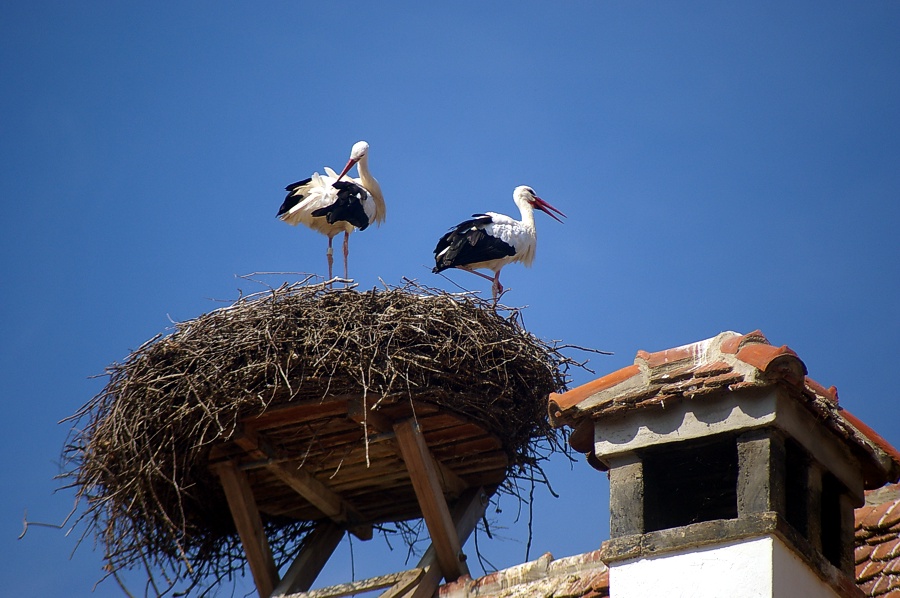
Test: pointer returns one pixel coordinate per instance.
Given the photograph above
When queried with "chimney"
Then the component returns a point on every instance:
(731, 472)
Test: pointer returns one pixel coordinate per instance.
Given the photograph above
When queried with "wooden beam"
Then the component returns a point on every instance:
(402, 578)
(330, 503)
(365, 416)
(293, 413)
(427, 486)
(466, 515)
(451, 483)
(249, 526)
(317, 548)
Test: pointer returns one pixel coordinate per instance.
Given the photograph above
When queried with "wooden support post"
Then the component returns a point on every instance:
(249, 526)
(451, 483)
(317, 549)
(468, 511)
(426, 484)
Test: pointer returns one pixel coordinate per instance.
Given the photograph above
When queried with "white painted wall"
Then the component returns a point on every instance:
(794, 578)
(752, 568)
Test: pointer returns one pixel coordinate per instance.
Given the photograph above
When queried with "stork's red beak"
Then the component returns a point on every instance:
(546, 208)
(347, 168)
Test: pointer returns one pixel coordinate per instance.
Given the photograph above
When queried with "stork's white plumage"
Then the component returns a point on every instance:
(333, 203)
(492, 240)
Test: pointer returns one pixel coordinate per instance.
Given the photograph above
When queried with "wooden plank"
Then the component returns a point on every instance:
(318, 547)
(330, 503)
(302, 412)
(249, 526)
(466, 515)
(323, 498)
(427, 487)
(450, 482)
(365, 416)
(293, 413)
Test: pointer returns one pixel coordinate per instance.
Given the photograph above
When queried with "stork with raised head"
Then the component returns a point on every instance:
(492, 240)
(331, 204)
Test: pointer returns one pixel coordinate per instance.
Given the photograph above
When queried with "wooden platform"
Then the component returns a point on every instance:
(348, 467)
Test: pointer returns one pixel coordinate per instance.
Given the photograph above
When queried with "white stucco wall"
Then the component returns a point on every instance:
(752, 568)
(793, 578)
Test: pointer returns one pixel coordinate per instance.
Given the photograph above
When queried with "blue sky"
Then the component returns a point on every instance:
(724, 166)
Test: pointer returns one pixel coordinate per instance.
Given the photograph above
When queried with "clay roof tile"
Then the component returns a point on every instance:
(733, 344)
(779, 362)
(876, 439)
(829, 393)
(571, 398)
(667, 356)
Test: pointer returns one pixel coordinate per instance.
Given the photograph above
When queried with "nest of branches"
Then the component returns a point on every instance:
(138, 454)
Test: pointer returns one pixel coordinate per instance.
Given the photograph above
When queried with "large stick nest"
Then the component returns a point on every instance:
(138, 456)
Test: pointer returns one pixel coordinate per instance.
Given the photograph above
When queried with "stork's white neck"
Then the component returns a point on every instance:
(526, 210)
(372, 186)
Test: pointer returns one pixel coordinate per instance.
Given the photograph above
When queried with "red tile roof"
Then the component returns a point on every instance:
(579, 576)
(729, 361)
(698, 368)
(878, 543)
(586, 576)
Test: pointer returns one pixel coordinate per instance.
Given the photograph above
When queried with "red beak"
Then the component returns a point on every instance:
(546, 208)
(347, 168)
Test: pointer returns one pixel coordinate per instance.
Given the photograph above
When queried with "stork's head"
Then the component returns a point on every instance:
(360, 149)
(524, 193)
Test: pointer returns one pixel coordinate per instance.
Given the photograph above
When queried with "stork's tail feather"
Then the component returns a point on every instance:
(295, 194)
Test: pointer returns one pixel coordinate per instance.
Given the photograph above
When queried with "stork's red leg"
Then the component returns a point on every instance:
(496, 287)
(330, 255)
(476, 272)
(346, 253)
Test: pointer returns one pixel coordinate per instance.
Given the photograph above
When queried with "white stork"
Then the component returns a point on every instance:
(493, 240)
(331, 206)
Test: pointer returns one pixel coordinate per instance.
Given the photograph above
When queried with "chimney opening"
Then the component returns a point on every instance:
(689, 483)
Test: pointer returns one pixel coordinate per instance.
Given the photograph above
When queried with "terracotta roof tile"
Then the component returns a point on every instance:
(892, 566)
(579, 576)
(733, 344)
(827, 393)
(878, 543)
(712, 369)
(882, 552)
(872, 435)
(576, 395)
(582, 437)
(875, 515)
(868, 570)
(774, 360)
(660, 358)
(891, 517)
(727, 362)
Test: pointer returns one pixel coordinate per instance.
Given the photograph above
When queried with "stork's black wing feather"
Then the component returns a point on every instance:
(291, 200)
(348, 207)
(467, 243)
